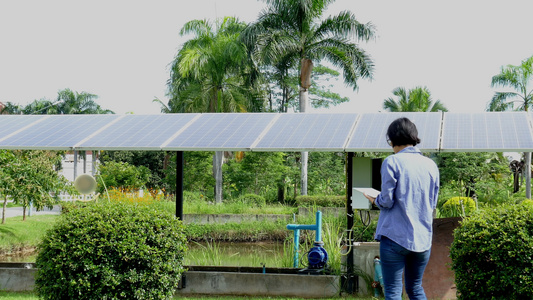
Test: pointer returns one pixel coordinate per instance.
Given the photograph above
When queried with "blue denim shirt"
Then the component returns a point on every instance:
(409, 193)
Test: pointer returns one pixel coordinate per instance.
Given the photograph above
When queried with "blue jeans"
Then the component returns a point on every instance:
(394, 260)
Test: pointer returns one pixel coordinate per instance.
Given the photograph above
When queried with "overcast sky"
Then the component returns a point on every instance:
(121, 50)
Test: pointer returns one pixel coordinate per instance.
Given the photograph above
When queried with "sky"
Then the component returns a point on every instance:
(121, 50)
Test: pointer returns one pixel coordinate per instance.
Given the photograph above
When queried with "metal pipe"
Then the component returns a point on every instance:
(179, 185)
(317, 227)
(296, 247)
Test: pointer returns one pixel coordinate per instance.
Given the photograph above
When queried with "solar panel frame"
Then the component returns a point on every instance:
(487, 132)
(56, 132)
(308, 132)
(138, 132)
(371, 130)
(221, 132)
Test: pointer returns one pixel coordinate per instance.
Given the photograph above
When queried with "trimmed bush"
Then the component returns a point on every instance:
(492, 254)
(321, 200)
(111, 251)
(252, 200)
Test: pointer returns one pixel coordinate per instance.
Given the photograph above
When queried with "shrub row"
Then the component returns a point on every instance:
(322, 201)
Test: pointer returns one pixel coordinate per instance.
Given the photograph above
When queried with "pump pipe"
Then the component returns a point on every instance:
(296, 227)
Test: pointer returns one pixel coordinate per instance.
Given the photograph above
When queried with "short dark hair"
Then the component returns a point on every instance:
(403, 132)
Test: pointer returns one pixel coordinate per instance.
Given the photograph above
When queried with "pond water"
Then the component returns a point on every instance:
(217, 254)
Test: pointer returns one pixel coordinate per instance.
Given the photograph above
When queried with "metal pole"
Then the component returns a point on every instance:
(351, 280)
(179, 185)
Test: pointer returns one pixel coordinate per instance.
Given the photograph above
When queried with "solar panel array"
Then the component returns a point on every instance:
(370, 133)
(505, 131)
(495, 131)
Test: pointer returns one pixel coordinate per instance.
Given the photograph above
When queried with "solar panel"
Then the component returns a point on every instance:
(215, 132)
(10, 124)
(138, 132)
(57, 132)
(370, 133)
(308, 132)
(493, 131)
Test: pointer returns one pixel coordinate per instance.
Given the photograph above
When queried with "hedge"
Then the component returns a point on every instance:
(111, 251)
(492, 254)
(321, 201)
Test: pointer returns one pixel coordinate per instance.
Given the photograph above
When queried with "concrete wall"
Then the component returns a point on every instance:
(253, 284)
(17, 279)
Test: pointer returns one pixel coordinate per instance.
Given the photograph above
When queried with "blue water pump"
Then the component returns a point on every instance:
(317, 256)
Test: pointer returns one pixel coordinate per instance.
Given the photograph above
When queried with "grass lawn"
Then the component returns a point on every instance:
(16, 234)
(33, 296)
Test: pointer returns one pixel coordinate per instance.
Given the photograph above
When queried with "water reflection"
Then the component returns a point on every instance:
(215, 254)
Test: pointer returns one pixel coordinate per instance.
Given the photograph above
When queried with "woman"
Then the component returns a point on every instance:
(409, 192)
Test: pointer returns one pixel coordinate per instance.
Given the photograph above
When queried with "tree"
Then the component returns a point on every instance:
(519, 79)
(213, 72)
(10, 108)
(7, 158)
(291, 32)
(121, 175)
(70, 102)
(417, 99)
(33, 179)
(256, 172)
(284, 88)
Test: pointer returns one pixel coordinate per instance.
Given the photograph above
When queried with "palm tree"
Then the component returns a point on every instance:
(10, 108)
(417, 99)
(213, 72)
(519, 78)
(70, 102)
(293, 31)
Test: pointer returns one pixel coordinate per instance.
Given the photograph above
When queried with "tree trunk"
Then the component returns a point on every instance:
(217, 172)
(4, 210)
(528, 174)
(516, 182)
(304, 101)
(305, 82)
(24, 213)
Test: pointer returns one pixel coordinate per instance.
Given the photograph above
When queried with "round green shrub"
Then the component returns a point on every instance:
(252, 200)
(492, 254)
(111, 251)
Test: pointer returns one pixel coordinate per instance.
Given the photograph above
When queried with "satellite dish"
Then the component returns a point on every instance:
(85, 184)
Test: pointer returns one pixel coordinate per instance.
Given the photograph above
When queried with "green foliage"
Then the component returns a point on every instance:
(465, 169)
(247, 231)
(198, 172)
(457, 207)
(256, 173)
(252, 200)
(122, 175)
(30, 176)
(321, 201)
(492, 254)
(111, 251)
(417, 99)
(155, 161)
(326, 174)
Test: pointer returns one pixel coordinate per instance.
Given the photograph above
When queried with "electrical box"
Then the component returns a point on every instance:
(365, 174)
(359, 201)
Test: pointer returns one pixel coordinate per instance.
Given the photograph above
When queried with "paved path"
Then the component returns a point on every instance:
(17, 211)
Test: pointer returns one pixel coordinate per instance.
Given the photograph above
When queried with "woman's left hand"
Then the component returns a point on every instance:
(371, 199)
